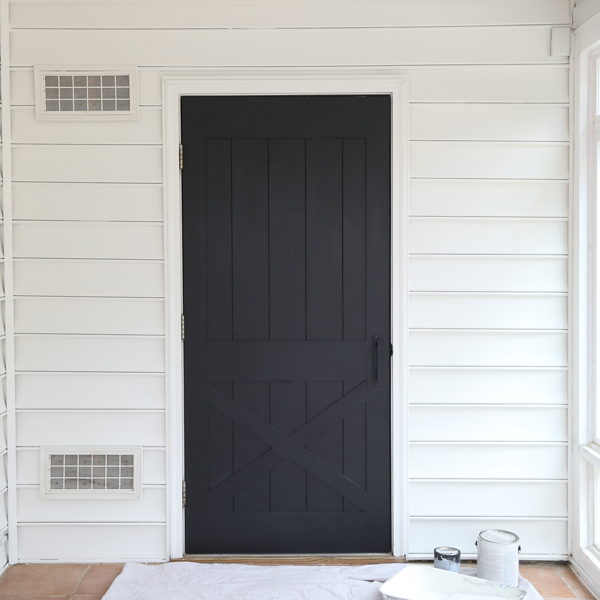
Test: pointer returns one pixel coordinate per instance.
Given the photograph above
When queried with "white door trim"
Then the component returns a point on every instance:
(277, 81)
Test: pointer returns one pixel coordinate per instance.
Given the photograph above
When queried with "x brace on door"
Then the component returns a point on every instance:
(292, 447)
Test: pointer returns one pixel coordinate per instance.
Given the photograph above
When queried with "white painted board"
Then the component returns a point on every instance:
(488, 274)
(115, 278)
(487, 311)
(495, 160)
(291, 14)
(438, 235)
(488, 386)
(59, 239)
(488, 461)
(474, 198)
(90, 316)
(486, 498)
(490, 83)
(83, 542)
(488, 424)
(492, 122)
(151, 508)
(90, 391)
(90, 428)
(100, 353)
(502, 83)
(81, 163)
(488, 348)
(543, 537)
(26, 129)
(280, 47)
(87, 202)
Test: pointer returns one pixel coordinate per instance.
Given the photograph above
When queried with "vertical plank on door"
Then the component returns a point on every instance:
(220, 446)
(246, 447)
(288, 413)
(287, 239)
(218, 232)
(324, 239)
(250, 208)
(354, 215)
(328, 446)
(355, 446)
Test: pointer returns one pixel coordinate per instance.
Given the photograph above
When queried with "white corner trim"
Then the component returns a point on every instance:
(283, 81)
(7, 230)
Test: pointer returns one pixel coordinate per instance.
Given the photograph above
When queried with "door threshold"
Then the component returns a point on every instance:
(295, 559)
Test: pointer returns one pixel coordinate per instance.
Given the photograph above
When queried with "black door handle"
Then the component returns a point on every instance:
(376, 352)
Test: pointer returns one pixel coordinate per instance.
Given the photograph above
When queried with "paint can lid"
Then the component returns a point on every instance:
(446, 551)
(498, 536)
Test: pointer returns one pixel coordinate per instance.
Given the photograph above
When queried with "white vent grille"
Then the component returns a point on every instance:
(91, 94)
(91, 472)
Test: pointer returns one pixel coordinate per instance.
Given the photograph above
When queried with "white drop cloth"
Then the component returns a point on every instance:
(197, 581)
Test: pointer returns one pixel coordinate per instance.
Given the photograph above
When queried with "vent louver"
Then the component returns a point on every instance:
(91, 472)
(91, 94)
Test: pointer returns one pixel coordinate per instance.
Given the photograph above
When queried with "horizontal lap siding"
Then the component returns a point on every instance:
(4, 419)
(488, 264)
(89, 324)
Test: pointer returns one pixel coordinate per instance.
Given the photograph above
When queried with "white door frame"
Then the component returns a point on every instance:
(277, 81)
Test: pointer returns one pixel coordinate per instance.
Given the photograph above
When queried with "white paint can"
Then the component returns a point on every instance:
(498, 556)
(447, 558)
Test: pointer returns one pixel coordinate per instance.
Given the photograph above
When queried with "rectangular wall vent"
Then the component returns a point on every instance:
(91, 472)
(64, 93)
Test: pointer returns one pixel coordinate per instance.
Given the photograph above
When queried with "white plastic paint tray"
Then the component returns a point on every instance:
(427, 583)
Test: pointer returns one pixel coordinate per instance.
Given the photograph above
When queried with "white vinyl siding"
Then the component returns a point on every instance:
(488, 264)
(4, 67)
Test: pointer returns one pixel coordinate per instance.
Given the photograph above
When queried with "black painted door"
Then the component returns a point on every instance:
(286, 251)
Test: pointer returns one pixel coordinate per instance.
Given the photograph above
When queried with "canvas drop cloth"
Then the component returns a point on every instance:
(197, 581)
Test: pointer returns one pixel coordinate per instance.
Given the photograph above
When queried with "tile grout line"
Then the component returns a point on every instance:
(577, 596)
(79, 582)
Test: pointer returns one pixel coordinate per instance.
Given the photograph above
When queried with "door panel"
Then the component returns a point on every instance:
(286, 239)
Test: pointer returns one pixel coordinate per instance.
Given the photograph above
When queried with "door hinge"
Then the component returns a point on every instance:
(182, 327)
(183, 494)
(391, 350)
(180, 157)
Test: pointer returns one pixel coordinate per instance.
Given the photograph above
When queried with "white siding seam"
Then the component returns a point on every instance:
(158, 486)
(90, 410)
(7, 279)
(136, 222)
(91, 523)
(486, 518)
(484, 405)
(37, 448)
(476, 255)
(483, 480)
(57, 372)
(473, 218)
(484, 443)
(262, 29)
(465, 329)
(112, 373)
(470, 293)
(91, 335)
(155, 261)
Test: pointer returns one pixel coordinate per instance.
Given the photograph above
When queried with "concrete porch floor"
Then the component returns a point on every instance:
(554, 581)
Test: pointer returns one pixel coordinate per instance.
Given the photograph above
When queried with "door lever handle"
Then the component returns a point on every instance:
(376, 367)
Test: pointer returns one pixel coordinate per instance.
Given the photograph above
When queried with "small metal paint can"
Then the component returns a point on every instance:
(498, 556)
(447, 559)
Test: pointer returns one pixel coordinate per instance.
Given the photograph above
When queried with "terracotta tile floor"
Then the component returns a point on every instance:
(90, 582)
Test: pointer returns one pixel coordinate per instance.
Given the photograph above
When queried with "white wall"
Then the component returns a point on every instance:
(489, 165)
(3, 347)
